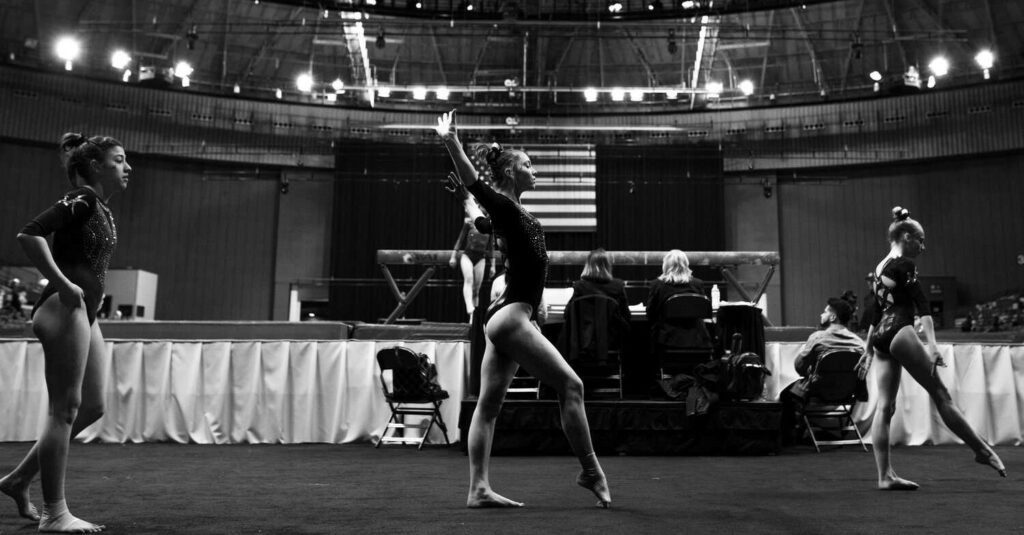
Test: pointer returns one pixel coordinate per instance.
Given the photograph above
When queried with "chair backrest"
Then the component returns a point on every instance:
(687, 307)
(587, 321)
(833, 378)
(410, 376)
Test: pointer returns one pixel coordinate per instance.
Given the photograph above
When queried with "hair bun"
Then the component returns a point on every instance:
(72, 140)
(493, 153)
(900, 214)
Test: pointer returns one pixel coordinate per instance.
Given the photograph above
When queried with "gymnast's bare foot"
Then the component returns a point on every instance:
(57, 519)
(19, 493)
(894, 482)
(594, 481)
(989, 458)
(485, 497)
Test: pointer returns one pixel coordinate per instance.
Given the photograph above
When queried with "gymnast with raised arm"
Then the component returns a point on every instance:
(892, 339)
(512, 339)
(64, 319)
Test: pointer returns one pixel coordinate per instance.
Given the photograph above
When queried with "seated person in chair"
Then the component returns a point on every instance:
(676, 278)
(834, 335)
(597, 279)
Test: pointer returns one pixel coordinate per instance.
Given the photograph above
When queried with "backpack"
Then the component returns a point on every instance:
(745, 373)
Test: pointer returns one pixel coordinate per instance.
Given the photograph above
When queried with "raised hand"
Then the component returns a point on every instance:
(446, 125)
(455, 186)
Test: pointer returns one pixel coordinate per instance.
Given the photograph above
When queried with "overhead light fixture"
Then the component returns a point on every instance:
(68, 49)
(714, 89)
(931, 81)
(126, 76)
(654, 5)
(183, 70)
(419, 93)
(331, 97)
(747, 87)
(939, 66)
(618, 94)
(120, 59)
(442, 93)
(337, 85)
(614, 7)
(985, 60)
(304, 82)
(688, 4)
(875, 76)
(278, 93)
(636, 95)
(671, 94)
(590, 94)
(237, 89)
(384, 91)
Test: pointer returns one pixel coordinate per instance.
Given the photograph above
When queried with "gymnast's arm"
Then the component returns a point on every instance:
(450, 137)
(32, 239)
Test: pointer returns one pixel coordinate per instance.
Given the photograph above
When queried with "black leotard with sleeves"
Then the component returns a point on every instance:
(526, 254)
(84, 237)
(897, 305)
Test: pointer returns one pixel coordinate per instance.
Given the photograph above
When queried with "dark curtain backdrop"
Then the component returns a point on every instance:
(390, 196)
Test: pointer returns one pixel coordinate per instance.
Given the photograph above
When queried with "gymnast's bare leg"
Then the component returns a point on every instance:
(512, 332)
(888, 373)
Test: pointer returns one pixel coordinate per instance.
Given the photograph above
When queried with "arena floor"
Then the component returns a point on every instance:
(317, 488)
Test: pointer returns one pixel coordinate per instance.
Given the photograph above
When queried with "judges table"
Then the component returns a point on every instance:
(230, 391)
(985, 381)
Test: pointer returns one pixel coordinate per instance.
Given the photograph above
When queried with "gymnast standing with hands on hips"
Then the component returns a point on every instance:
(512, 337)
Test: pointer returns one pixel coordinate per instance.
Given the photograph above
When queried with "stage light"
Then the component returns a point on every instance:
(371, 2)
(419, 93)
(68, 49)
(237, 89)
(384, 92)
(469, 7)
(714, 89)
(381, 41)
(985, 59)
(614, 7)
(875, 76)
(931, 81)
(465, 5)
(442, 93)
(304, 82)
(654, 6)
(939, 66)
(636, 95)
(747, 87)
(120, 59)
(183, 69)
(618, 94)
(186, 81)
(337, 85)
(278, 94)
(331, 97)
(126, 76)
(671, 94)
(688, 4)
(590, 94)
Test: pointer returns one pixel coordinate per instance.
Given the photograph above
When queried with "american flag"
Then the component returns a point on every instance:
(566, 196)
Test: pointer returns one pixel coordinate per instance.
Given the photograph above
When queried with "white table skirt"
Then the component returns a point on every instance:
(985, 381)
(220, 392)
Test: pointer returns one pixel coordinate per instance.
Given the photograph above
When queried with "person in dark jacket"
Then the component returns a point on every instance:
(597, 279)
(676, 278)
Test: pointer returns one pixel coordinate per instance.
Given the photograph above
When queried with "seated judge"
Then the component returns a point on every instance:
(597, 279)
(676, 278)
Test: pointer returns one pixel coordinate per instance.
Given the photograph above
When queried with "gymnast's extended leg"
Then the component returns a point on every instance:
(888, 372)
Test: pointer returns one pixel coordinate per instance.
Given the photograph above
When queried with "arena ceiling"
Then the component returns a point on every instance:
(530, 56)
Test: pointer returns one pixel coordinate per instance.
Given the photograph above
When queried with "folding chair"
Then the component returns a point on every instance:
(685, 312)
(413, 382)
(592, 351)
(830, 399)
(523, 386)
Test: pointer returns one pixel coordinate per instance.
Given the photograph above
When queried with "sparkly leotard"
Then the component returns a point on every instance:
(526, 254)
(83, 241)
(897, 305)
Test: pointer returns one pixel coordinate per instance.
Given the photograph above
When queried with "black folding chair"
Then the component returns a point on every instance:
(831, 396)
(413, 384)
(590, 347)
(685, 312)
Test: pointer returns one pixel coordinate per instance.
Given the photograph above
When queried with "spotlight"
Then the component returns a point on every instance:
(381, 42)
(671, 94)
(875, 76)
(931, 81)
(331, 97)
(442, 93)
(465, 5)
(419, 93)
(618, 94)
(68, 49)
(186, 81)
(615, 7)
(939, 66)
(120, 59)
(654, 6)
(636, 95)
(237, 89)
(714, 89)
(277, 93)
(747, 87)
(985, 59)
(337, 85)
(304, 82)
(384, 92)
(688, 4)
(126, 76)
(590, 94)
(183, 70)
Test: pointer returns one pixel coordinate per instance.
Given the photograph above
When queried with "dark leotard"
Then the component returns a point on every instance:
(526, 254)
(477, 245)
(897, 305)
(84, 238)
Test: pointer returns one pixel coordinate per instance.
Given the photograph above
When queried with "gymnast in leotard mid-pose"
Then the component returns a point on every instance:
(892, 338)
(512, 337)
(64, 319)
(472, 251)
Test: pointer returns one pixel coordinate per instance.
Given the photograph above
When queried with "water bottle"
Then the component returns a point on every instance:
(716, 297)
